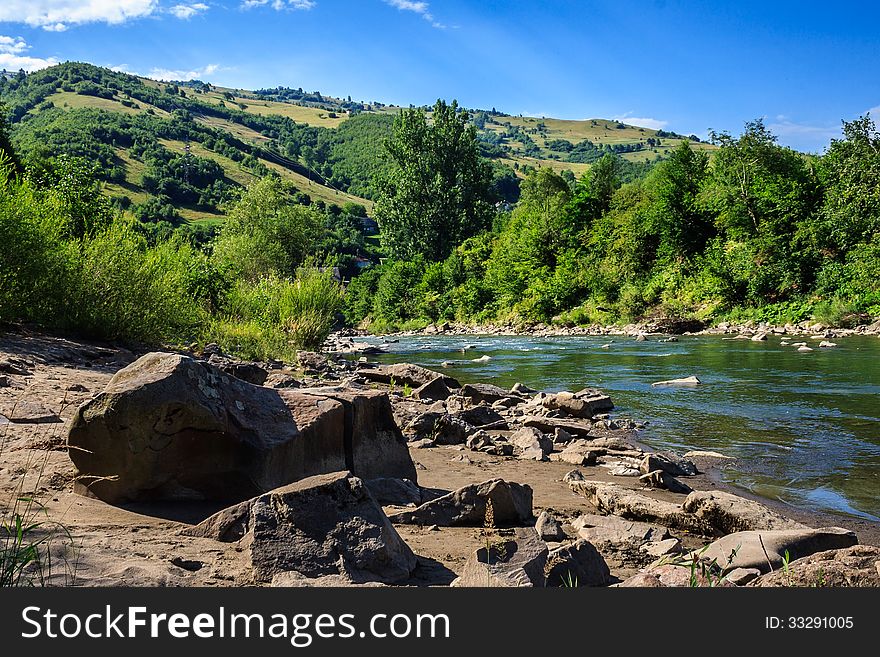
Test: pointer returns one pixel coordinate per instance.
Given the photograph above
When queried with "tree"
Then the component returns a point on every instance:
(437, 190)
(682, 223)
(266, 231)
(7, 153)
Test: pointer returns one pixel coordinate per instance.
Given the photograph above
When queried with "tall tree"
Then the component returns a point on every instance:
(7, 153)
(437, 190)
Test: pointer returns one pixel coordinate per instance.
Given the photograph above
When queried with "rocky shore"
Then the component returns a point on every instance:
(196, 469)
(658, 327)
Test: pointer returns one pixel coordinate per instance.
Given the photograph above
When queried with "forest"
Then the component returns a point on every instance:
(739, 228)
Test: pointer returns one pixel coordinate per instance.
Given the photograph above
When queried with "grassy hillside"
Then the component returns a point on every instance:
(181, 150)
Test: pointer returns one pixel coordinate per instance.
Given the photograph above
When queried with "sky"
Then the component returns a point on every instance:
(689, 67)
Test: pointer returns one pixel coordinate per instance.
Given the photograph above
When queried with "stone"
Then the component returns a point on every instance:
(611, 531)
(479, 416)
(522, 389)
(855, 566)
(511, 505)
(614, 499)
(434, 390)
(621, 470)
(573, 475)
(549, 528)
(312, 363)
(671, 464)
(515, 562)
(804, 348)
(549, 425)
(686, 381)
(27, 412)
(280, 380)
(561, 436)
(759, 337)
(765, 550)
(4, 381)
(323, 525)
(246, 371)
(641, 337)
(575, 565)
(423, 443)
(406, 374)
(583, 404)
(664, 480)
(642, 580)
(680, 575)
(483, 392)
(441, 428)
(662, 548)
(578, 455)
(825, 344)
(169, 427)
(727, 513)
(531, 444)
(742, 576)
(399, 492)
(14, 366)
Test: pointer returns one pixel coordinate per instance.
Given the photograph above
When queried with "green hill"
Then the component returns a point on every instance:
(177, 151)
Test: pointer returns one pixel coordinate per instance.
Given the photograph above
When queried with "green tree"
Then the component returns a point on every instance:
(7, 153)
(436, 193)
(266, 231)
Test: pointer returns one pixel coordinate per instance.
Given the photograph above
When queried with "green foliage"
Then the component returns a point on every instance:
(266, 231)
(437, 191)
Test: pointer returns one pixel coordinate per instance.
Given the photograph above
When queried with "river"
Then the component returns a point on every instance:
(803, 426)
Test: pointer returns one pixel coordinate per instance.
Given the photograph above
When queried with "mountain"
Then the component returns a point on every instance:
(176, 151)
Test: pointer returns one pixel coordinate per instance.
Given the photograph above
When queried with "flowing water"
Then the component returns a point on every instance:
(804, 426)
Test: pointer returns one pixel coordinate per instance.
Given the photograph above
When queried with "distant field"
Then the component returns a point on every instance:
(72, 100)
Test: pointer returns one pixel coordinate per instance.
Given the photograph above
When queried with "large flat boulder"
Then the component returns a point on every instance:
(511, 505)
(483, 392)
(402, 374)
(728, 513)
(584, 404)
(575, 565)
(765, 550)
(323, 525)
(613, 532)
(169, 427)
(514, 562)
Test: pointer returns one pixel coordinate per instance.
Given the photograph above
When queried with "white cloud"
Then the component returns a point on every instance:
(787, 128)
(182, 75)
(185, 12)
(278, 5)
(642, 122)
(423, 9)
(58, 15)
(13, 57)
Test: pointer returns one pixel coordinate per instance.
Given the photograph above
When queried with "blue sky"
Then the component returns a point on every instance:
(685, 66)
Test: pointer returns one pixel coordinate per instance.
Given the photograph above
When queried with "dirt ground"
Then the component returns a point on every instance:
(96, 544)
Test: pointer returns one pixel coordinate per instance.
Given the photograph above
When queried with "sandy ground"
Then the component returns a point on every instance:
(98, 544)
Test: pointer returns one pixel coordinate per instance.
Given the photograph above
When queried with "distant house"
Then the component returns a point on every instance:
(369, 226)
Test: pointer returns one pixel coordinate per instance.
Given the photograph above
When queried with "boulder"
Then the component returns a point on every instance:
(561, 436)
(617, 500)
(742, 576)
(765, 550)
(281, 380)
(550, 424)
(442, 428)
(507, 562)
(662, 548)
(511, 505)
(664, 480)
(583, 404)
(727, 513)
(670, 464)
(312, 362)
(578, 564)
(483, 392)
(246, 371)
(480, 416)
(399, 492)
(406, 374)
(531, 444)
(573, 475)
(614, 532)
(855, 566)
(577, 454)
(170, 427)
(434, 390)
(323, 525)
(549, 528)
(675, 575)
(522, 389)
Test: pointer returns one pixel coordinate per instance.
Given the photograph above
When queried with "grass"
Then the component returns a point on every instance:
(72, 100)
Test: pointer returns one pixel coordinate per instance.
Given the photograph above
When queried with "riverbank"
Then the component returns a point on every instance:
(584, 468)
(661, 327)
